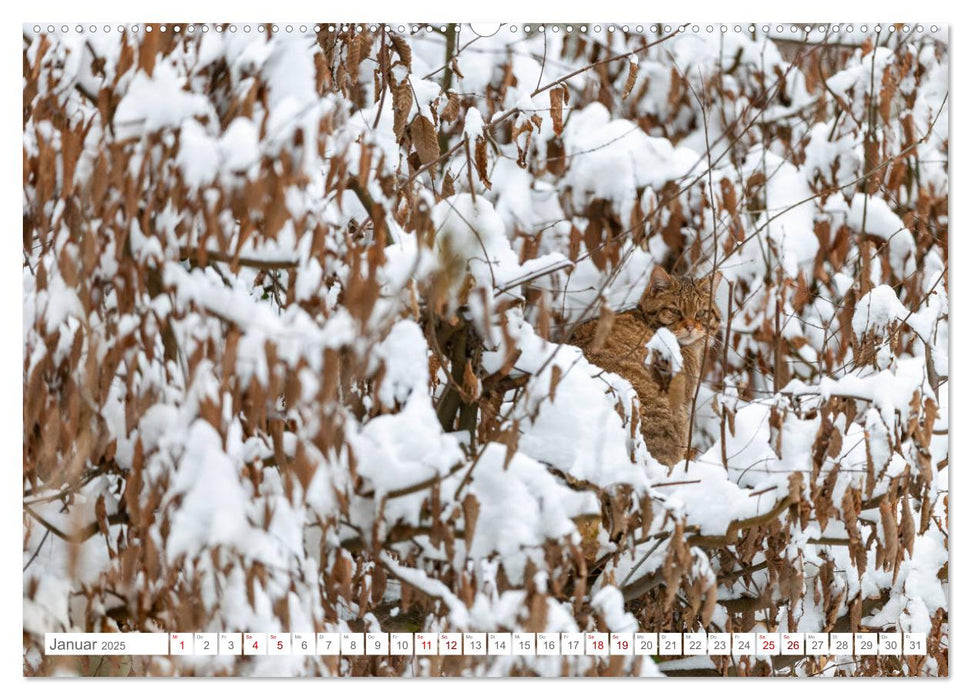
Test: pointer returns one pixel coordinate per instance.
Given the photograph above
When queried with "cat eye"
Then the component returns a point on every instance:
(668, 316)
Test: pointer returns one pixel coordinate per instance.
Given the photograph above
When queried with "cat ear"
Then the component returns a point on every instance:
(660, 280)
(715, 279)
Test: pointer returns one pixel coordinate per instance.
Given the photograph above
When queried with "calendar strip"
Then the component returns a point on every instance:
(662, 644)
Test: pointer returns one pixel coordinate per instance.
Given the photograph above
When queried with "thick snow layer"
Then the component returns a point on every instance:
(790, 211)
(609, 602)
(473, 124)
(890, 391)
(199, 155)
(878, 308)
(577, 426)
(873, 216)
(521, 506)
(239, 145)
(157, 101)
(400, 450)
(293, 100)
(470, 232)
(214, 503)
(611, 158)
(471, 235)
(295, 334)
(404, 354)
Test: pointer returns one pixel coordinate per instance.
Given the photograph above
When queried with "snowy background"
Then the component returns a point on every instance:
(297, 306)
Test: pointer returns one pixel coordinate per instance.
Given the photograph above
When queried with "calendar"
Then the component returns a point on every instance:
(607, 343)
(672, 644)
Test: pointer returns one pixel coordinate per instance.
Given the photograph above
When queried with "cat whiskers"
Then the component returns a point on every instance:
(714, 341)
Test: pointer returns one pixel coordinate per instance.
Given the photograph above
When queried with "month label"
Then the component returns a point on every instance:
(108, 644)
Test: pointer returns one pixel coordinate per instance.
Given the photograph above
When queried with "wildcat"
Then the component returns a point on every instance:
(683, 305)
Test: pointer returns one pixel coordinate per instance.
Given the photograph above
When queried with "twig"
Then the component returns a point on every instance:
(83, 533)
(187, 253)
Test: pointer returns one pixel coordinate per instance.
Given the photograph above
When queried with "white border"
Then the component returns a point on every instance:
(704, 11)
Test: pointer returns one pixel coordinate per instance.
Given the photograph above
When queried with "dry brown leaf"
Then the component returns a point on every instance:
(729, 198)
(402, 47)
(482, 162)
(425, 138)
(711, 604)
(451, 111)
(454, 63)
(887, 90)
(556, 109)
(352, 58)
(448, 185)
(907, 529)
(795, 487)
(470, 383)
(890, 534)
(556, 373)
(509, 438)
(631, 78)
(470, 510)
(593, 235)
(604, 325)
(402, 108)
(676, 89)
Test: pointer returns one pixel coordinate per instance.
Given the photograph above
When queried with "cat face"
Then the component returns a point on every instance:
(683, 305)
